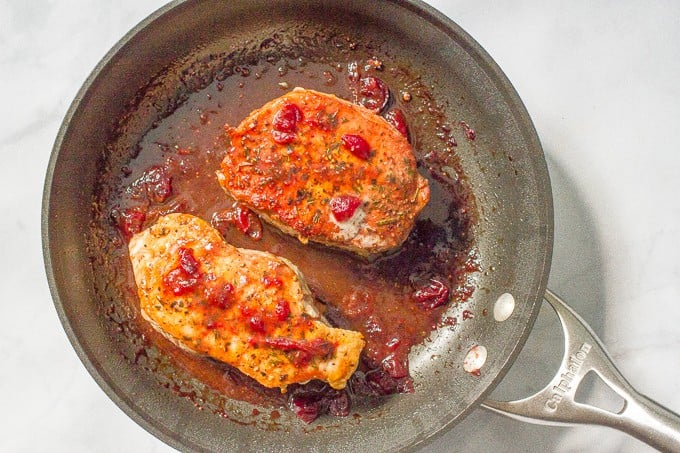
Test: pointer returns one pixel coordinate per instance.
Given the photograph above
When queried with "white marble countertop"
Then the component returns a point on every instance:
(601, 81)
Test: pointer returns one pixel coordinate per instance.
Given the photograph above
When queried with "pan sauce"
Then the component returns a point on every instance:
(170, 167)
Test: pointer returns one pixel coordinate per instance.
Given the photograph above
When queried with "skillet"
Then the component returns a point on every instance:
(504, 164)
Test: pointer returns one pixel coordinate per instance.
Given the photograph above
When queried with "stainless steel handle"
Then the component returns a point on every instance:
(640, 417)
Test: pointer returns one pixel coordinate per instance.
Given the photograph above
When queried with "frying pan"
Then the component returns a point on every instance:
(507, 174)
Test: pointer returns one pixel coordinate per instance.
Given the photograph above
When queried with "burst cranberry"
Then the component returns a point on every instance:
(185, 277)
(358, 385)
(343, 207)
(397, 119)
(374, 93)
(285, 344)
(242, 219)
(286, 119)
(248, 223)
(157, 182)
(285, 123)
(306, 406)
(282, 310)
(357, 145)
(382, 382)
(179, 282)
(432, 294)
(187, 261)
(339, 404)
(129, 221)
(396, 367)
(257, 324)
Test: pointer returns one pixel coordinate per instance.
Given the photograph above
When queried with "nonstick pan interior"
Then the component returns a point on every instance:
(504, 165)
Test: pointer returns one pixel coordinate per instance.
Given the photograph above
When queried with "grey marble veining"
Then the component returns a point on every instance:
(600, 80)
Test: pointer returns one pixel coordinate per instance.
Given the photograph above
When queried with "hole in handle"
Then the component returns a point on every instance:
(595, 392)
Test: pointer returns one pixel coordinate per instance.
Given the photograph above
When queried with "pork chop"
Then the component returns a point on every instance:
(325, 170)
(250, 309)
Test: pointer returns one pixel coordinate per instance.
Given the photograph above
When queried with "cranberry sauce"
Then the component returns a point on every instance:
(395, 301)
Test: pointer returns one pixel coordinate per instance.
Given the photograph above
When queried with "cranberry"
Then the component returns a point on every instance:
(393, 343)
(374, 93)
(282, 310)
(433, 294)
(397, 119)
(301, 358)
(285, 123)
(359, 386)
(310, 401)
(187, 261)
(340, 404)
(396, 367)
(286, 119)
(156, 183)
(307, 407)
(406, 385)
(343, 207)
(382, 382)
(357, 145)
(179, 282)
(257, 324)
(242, 219)
(185, 277)
(129, 221)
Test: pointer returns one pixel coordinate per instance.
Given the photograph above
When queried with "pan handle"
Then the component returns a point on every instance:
(640, 417)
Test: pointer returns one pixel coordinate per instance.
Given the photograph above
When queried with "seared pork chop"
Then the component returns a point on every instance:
(250, 309)
(326, 170)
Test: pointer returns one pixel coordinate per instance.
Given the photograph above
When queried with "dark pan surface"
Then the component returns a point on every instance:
(504, 164)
